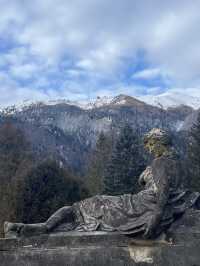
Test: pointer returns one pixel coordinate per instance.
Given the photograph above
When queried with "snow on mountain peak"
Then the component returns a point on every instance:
(99, 102)
(173, 98)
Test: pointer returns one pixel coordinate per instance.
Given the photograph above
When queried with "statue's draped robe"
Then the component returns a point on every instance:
(130, 213)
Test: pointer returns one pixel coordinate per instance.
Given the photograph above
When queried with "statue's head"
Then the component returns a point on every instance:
(157, 142)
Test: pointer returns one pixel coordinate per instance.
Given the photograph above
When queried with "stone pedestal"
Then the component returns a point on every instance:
(109, 249)
(97, 249)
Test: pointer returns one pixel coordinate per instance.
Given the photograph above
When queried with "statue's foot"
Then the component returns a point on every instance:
(11, 230)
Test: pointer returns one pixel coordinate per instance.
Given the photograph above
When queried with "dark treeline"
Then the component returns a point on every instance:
(30, 191)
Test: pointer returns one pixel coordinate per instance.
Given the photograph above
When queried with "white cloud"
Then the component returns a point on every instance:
(148, 74)
(24, 71)
(97, 38)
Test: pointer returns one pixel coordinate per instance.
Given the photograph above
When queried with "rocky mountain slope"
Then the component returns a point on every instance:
(68, 131)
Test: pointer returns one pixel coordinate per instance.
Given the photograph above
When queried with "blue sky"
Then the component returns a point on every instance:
(75, 49)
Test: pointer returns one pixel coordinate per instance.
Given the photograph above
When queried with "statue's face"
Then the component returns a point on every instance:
(155, 147)
(149, 145)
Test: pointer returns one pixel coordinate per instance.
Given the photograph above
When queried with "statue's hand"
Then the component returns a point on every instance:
(151, 226)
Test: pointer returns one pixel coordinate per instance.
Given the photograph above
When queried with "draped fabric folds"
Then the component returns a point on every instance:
(130, 213)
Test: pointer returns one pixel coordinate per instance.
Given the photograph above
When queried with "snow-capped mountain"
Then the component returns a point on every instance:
(69, 129)
(174, 98)
(85, 105)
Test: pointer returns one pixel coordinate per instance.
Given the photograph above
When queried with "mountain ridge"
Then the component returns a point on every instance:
(69, 133)
(119, 100)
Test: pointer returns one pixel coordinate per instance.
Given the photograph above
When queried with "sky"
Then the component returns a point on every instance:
(81, 49)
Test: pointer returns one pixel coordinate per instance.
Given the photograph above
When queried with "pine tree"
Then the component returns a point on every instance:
(47, 188)
(98, 161)
(126, 164)
(194, 156)
(15, 161)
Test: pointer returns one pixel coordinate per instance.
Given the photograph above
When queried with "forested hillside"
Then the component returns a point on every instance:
(54, 155)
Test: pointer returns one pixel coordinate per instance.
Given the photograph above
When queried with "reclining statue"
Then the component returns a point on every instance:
(147, 213)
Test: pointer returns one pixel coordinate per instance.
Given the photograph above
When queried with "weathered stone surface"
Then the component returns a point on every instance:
(92, 249)
(97, 255)
(109, 249)
(71, 239)
(186, 229)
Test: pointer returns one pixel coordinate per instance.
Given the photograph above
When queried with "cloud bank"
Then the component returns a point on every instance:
(80, 49)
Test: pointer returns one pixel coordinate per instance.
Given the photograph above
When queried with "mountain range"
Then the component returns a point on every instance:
(68, 130)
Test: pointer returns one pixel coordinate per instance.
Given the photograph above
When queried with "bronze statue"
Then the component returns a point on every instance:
(146, 214)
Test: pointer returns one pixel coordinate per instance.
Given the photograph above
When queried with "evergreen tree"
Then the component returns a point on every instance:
(15, 161)
(47, 188)
(194, 156)
(126, 164)
(98, 161)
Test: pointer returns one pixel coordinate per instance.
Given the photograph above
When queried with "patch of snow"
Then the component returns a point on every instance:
(99, 102)
(172, 99)
(121, 102)
(179, 125)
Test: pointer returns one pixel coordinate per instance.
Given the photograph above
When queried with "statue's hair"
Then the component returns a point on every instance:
(158, 135)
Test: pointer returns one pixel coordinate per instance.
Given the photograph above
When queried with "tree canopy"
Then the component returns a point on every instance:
(126, 163)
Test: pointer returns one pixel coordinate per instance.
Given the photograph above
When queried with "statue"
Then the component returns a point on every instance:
(146, 214)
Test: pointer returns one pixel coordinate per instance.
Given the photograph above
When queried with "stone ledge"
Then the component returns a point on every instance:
(75, 239)
(98, 249)
(70, 239)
